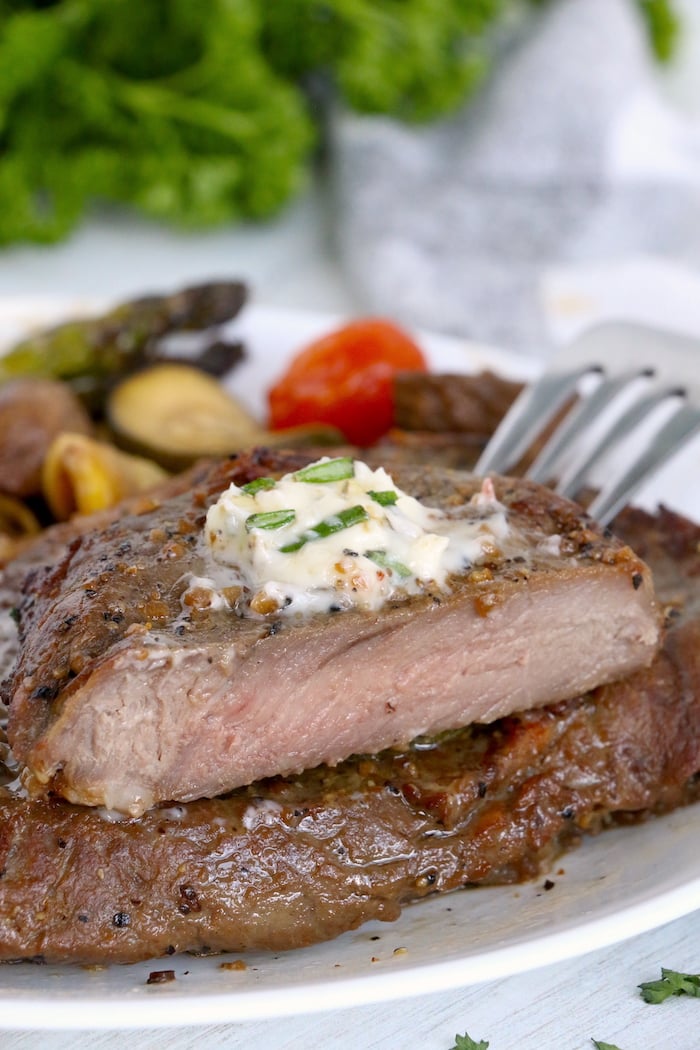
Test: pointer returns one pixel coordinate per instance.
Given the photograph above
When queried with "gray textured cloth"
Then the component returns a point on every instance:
(570, 155)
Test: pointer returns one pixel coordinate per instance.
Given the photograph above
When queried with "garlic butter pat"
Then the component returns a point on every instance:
(337, 535)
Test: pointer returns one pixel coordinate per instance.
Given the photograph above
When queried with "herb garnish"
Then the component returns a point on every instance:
(332, 470)
(258, 485)
(465, 1042)
(386, 498)
(272, 519)
(343, 520)
(672, 983)
(385, 561)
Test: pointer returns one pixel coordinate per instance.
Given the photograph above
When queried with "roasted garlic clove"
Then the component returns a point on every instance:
(81, 475)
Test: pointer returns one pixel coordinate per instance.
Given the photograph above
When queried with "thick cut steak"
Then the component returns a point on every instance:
(120, 700)
(291, 861)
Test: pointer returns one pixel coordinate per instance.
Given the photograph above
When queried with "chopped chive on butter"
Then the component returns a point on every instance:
(385, 498)
(343, 520)
(272, 519)
(385, 561)
(332, 470)
(258, 485)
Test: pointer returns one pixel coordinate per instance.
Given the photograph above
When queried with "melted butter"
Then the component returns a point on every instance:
(261, 811)
(399, 546)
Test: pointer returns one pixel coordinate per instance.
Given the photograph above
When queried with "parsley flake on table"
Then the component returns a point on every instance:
(604, 1046)
(672, 983)
(465, 1042)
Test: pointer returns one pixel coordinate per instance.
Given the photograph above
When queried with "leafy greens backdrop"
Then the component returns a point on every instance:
(200, 114)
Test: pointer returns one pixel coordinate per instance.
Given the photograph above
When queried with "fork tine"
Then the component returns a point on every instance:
(549, 462)
(571, 481)
(606, 419)
(534, 408)
(675, 433)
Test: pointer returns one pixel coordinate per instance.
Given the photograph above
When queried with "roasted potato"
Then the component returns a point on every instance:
(32, 413)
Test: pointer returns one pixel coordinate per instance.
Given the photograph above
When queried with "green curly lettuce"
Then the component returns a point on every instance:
(415, 59)
(167, 106)
(202, 114)
(664, 27)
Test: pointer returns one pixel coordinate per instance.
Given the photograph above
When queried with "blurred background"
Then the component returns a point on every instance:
(506, 170)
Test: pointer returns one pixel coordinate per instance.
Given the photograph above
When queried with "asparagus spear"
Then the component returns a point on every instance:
(90, 352)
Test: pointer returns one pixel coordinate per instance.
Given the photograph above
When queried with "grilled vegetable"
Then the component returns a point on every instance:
(90, 352)
(345, 379)
(17, 523)
(81, 475)
(175, 414)
(219, 357)
(16, 519)
(32, 413)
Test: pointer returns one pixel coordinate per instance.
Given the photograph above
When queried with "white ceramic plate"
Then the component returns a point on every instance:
(623, 883)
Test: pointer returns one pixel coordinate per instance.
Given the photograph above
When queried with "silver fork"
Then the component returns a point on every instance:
(638, 402)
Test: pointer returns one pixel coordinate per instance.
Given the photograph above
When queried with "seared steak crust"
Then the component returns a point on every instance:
(291, 861)
(453, 403)
(118, 700)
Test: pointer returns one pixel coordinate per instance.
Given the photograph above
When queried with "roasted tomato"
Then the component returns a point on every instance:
(345, 379)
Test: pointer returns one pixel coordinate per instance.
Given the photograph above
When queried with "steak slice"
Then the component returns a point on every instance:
(118, 700)
(452, 402)
(292, 861)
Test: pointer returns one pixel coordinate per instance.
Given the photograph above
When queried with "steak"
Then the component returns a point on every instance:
(35, 553)
(452, 403)
(291, 861)
(119, 700)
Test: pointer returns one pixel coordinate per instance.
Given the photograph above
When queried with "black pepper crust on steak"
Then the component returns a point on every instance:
(118, 699)
(292, 861)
